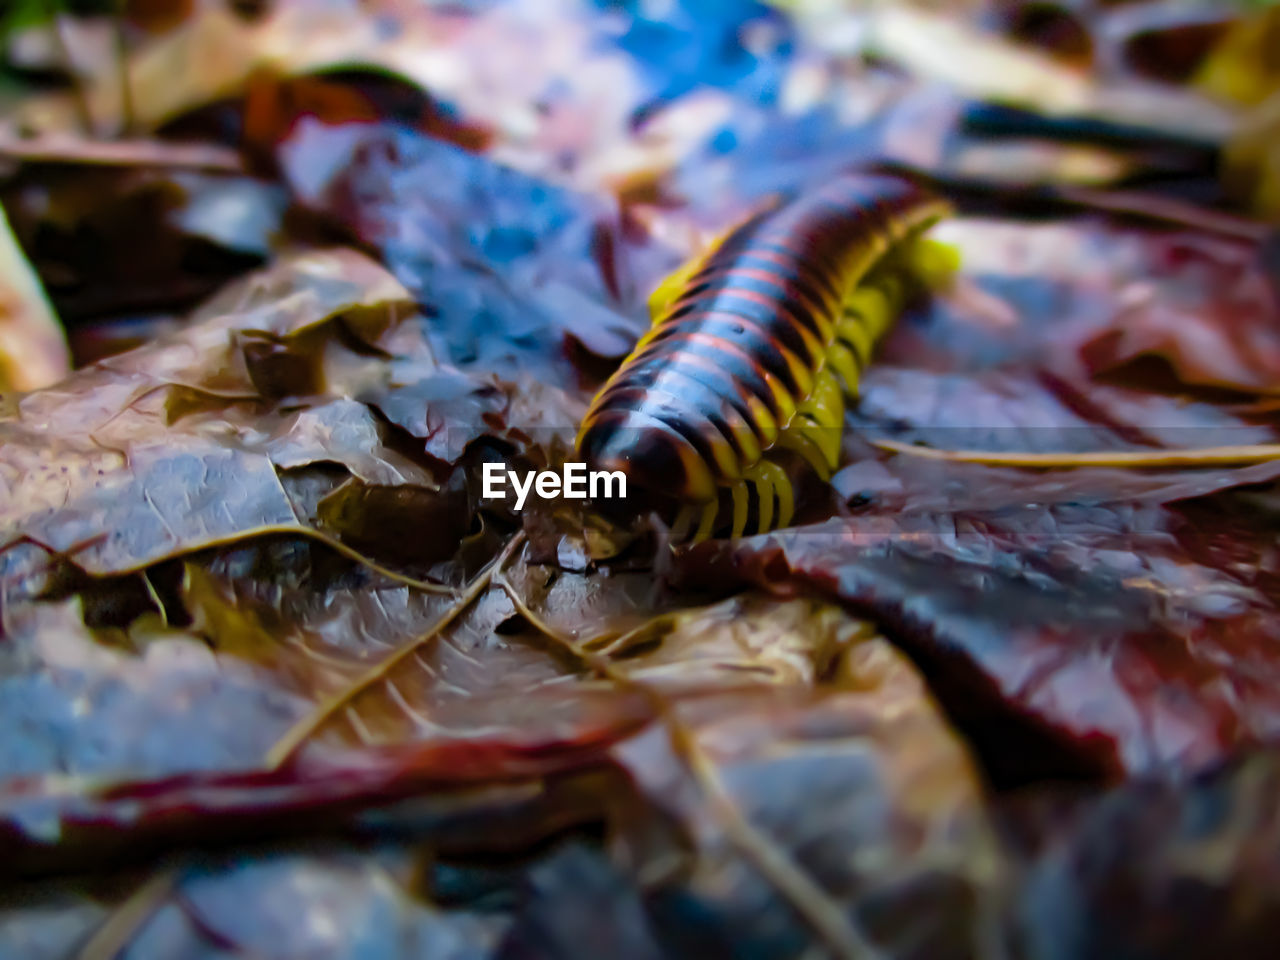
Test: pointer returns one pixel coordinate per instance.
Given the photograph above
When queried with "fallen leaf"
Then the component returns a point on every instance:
(1098, 636)
(508, 266)
(1104, 873)
(898, 820)
(169, 448)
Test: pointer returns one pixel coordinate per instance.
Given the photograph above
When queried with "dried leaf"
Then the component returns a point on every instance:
(1153, 867)
(121, 238)
(1105, 636)
(174, 447)
(891, 810)
(508, 266)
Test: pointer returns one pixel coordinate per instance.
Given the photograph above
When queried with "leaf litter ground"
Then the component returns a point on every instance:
(278, 682)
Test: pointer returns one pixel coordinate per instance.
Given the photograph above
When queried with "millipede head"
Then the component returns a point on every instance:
(652, 455)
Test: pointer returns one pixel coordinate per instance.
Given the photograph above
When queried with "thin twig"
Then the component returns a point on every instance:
(267, 530)
(64, 148)
(311, 533)
(154, 596)
(622, 640)
(824, 915)
(287, 745)
(1130, 459)
(129, 917)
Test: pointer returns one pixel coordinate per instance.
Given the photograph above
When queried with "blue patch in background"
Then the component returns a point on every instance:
(684, 44)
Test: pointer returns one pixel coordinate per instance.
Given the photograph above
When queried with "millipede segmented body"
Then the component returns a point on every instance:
(753, 348)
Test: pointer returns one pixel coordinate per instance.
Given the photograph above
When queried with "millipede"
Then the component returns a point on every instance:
(753, 349)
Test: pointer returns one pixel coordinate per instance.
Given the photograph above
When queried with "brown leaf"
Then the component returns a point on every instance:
(832, 759)
(1211, 317)
(170, 448)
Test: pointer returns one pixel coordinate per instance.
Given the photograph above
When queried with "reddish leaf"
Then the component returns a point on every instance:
(1107, 629)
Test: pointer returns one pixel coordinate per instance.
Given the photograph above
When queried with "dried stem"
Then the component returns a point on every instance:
(1128, 459)
(249, 533)
(825, 916)
(301, 731)
(65, 148)
(126, 920)
(333, 543)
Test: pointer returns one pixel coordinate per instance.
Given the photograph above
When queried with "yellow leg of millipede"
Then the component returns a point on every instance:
(726, 461)
(683, 522)
(764, 495)
(804, 437)
(842, 362)
(934, 262)
(745, 439)
(786, 496)
(740, 504)
(824, 405)
(867, 313)
(762, 420)
(707, 525)
(785, 402)
(827, 439)
(770, 479)
(894, 291)
(815, 431)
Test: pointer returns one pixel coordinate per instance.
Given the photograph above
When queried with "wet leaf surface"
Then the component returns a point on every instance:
(166, 450)
(1118, 637)
(1152, 867)
(506, 265)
